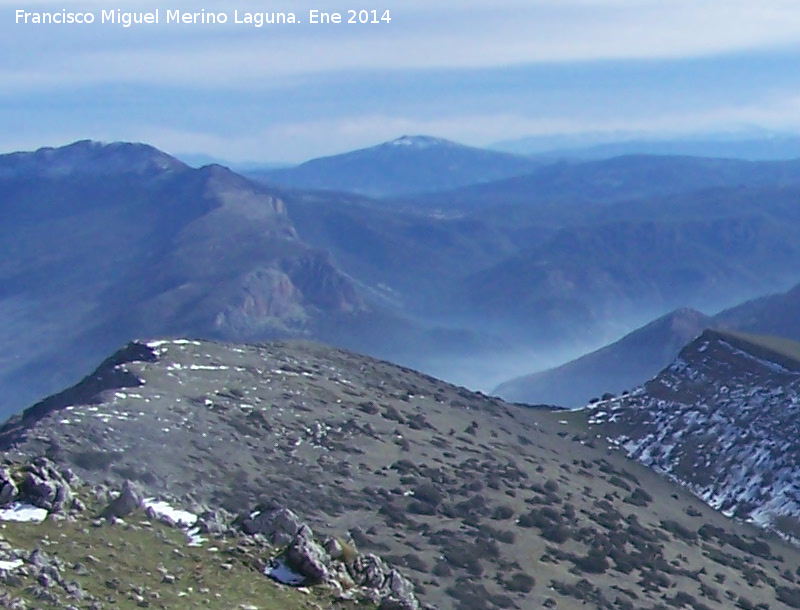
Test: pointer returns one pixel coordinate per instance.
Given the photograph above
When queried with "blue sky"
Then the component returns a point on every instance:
(468, 70)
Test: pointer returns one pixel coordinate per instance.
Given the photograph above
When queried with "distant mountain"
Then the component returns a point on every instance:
(200, 160)
(775, 314)
(87, 157)
(755, 146)
(562, 189)
(104, 243)
(722, 420)
(410, 164)
(640, 355)
(623, 365)
(109, 242)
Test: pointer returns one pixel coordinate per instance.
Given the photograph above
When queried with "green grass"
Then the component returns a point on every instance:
(130, 559)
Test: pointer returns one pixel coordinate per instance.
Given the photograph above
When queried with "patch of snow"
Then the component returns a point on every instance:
(23, 513)
(166, 512)
(195, 539)
(278, 570)
(7, 566)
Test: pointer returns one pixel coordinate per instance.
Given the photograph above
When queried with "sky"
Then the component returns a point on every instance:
(473, 71)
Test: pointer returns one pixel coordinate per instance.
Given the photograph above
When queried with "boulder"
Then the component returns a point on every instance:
(384, 585)
(400, 594)
(8, 487)
(307, 557)
(44, 486)
(129, 499)
(213, 521)
(280, 526)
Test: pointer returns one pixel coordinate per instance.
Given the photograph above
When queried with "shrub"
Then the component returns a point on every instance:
(502, 512)
(427, 492)
(593, 563)
(556, 533)
(522, 583)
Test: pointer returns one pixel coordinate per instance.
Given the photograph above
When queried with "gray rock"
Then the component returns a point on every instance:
(128, 500)
(334, 548)
(214, 522)
(44, 486)
(308, 558)
(400, 595)
(369, 571)
(8, 487)
(74, 590)
(384, 585)
(38, 558)
(280, 526)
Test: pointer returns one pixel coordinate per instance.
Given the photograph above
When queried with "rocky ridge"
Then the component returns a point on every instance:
(722, 421)
(477, 503)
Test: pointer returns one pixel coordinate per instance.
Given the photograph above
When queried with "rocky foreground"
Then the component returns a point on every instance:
(271, 544)
(403, 479)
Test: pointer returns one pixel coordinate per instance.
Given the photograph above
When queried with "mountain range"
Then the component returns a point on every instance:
(641, 354)
(681, 492)
(105, 242)
(749, 144)
(108, 242)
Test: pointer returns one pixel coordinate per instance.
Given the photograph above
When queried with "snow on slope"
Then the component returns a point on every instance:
(723, 421)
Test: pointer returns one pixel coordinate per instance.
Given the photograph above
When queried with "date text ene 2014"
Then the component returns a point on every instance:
(350, 16)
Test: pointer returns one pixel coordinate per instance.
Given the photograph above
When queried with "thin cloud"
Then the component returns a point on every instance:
(421, 36)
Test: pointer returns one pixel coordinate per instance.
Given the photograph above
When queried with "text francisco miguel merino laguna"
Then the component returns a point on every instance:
(127, 19)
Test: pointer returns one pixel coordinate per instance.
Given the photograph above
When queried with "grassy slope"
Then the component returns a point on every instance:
(131, 557)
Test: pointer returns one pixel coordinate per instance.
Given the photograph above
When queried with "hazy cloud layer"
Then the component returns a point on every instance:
(470, 70)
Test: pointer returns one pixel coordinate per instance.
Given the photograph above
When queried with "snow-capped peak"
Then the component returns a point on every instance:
(418, 142)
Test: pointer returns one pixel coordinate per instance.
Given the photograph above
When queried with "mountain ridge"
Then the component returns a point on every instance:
(619, 366)
(409, 164)
(626, 366)
(721, 421)
(481, 503)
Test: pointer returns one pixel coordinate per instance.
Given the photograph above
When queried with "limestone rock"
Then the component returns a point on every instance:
(308, 558)
(383, 584)
(8, 487)
(280, 526)
(128, 500)
(44, 486)
(400, 593)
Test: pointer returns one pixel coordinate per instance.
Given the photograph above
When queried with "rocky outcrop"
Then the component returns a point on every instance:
(39, 483)
(125, 503)
(8, 487)
(331, 564)
(383, 584)
(280, 526)
(308, 557)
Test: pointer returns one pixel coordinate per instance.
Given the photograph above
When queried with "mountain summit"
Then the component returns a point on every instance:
(88, 157)
(420, 142)
(407, 165)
